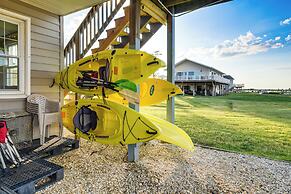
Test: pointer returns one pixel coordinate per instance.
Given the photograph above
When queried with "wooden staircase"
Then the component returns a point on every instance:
(151, 19)
(98, 18)
(96, 21)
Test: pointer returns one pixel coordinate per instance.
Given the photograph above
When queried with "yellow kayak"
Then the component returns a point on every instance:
(174, 136)
(112, 123)
(152, 91)
(106, 68)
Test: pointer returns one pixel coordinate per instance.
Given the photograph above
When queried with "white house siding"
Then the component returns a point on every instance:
(189, 66)
(200, 86)
(46, 52)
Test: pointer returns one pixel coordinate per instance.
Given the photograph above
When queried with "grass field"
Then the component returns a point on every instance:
(246, 123)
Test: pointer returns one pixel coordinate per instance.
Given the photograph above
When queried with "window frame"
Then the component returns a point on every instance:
(24, 48)
(189, 72)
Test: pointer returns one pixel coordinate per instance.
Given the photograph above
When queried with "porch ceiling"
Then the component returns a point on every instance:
(62, 7)
(181, 6)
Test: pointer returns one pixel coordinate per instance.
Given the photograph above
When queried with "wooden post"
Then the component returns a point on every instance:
(205, 92)
(171, 64)
(213, 89)
(134, 43)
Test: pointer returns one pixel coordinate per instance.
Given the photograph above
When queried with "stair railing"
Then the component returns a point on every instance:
(90, 29)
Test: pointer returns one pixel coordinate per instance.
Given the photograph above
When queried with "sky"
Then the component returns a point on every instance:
(248, 39)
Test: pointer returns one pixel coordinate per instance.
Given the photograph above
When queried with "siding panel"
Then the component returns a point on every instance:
(45, 53)
(41, 82)
(45, 31)
(42, 74)
(44, 45)
(44, 89)
(44, 38)
(44, 24)
(12, 105)
(44, 60)
(41, 67)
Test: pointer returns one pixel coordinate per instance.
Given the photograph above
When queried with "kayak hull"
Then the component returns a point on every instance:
(152, 91)
(107, 66)
(117, 124)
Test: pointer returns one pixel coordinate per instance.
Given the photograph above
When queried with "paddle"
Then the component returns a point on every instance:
(126, 84)
(128, 91)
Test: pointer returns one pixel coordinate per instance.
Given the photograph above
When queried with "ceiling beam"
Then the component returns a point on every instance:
(170, 3)
(193, 5)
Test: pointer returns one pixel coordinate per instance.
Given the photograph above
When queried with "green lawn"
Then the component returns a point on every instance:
(246, 123)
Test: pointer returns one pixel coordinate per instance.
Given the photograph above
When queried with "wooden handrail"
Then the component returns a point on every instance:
(90, 29)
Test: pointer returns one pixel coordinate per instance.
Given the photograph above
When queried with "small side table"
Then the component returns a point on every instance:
(19, 125)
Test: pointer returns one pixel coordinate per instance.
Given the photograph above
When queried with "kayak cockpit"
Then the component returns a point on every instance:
(98, 121)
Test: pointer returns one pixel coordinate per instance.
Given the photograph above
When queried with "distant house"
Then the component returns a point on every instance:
(231, 83)
(198, 79)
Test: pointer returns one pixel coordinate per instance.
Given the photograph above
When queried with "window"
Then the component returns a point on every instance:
(190, 73)
(14, 55)
(9, 56)
(179, 73)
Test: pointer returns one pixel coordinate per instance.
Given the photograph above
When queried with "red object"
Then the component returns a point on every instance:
(3, 131)
(95, 75)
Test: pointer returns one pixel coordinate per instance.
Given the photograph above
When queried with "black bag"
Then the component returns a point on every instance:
(85, 119)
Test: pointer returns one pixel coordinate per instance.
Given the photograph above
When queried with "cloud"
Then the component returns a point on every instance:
(288, 37)
(277, 45)
(284, 68)
(277, 38)
(247, 44)
(287, 21)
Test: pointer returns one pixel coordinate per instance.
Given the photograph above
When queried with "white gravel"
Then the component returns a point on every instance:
(164, 168)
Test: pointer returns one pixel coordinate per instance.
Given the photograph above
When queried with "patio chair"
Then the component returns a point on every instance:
(48, 112)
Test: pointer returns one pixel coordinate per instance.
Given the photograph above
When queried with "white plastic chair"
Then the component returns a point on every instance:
(48, 112)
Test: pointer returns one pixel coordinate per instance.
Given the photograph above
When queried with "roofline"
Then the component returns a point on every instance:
(212, 68)
(228, 77)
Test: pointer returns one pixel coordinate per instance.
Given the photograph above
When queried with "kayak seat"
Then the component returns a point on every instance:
(85, 119)
(102, 72)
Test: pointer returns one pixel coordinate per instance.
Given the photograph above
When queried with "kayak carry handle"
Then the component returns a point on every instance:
(50, 86)
(153, 62)
(151, 132)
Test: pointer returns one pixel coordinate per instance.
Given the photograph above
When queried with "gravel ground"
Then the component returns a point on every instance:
(164, 168)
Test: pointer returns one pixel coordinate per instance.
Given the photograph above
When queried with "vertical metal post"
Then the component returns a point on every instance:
(77, 57)
(134, 43)
(171, 63)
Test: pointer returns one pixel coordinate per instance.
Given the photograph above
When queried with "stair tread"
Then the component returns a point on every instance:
(118, 31)
(119, 19)
(110, 31)
(127, 10)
